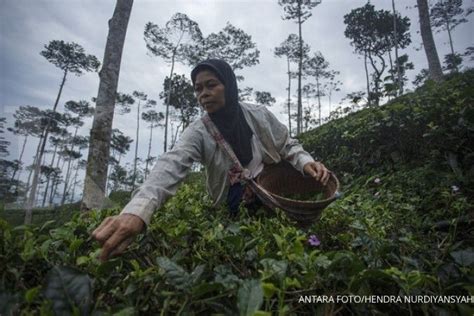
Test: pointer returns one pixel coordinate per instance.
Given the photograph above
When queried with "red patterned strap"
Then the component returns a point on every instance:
(237, 173)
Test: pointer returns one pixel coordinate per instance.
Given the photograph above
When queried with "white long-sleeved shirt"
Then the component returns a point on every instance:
(197, 145)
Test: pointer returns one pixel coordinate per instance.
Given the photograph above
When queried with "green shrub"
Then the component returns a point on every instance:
(120, 198)
(400, 229)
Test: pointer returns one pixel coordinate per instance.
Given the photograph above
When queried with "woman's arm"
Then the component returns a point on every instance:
(292, 151)
(165, 177)
(117, 232)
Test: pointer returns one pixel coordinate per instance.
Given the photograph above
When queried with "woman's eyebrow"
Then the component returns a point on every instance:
(205, 82)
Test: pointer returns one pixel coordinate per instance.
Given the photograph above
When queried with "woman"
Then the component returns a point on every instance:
(254, 134)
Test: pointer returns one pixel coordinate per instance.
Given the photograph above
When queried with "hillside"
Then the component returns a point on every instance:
(403, 229)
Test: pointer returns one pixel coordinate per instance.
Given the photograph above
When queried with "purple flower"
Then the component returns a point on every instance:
(314, 241)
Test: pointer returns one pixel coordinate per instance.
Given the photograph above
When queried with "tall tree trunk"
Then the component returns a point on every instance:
(319, 99)
(168, 101)
(40, 184)
(448, 28)
(19, 160)
(395, 37)
(101, 132)
(54, 185)
(136, 147)
(28, 183)
(32, 194)
(69, 185)
(300, 66)
(378, 74)
(434, 65)
(175, 137)
(109, 171)
(149, 150)
(68, 172)
(65, 178)
(289, 95)
(367, 79)
(49, 178)
(74, 184)
(391, 71)
(451, 42)
(329, 99)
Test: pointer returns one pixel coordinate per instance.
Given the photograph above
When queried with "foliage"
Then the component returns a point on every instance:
(118, 177)
(318, 67)
(182, 98)
(298, 9)
(400, 229)
(371, 30)
(3, 143)
(290, 48)
(371, 34)
(421, 77)
(82, 108)
(428, 124)
(123, 102)
(10, 188)
(120, 198)
(120, 144)
(403, 65)
(153, 118)
(171, 41)
(264, 97)
(174, 43)
(70, 57)
(445, 14)
(231, 44)
(452, 62)
(469, 52)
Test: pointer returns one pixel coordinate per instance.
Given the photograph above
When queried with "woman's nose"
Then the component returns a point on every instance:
(204, 93)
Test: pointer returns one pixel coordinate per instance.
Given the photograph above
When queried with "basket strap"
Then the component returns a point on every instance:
(264, 195)
(243, 173)
(214, 131)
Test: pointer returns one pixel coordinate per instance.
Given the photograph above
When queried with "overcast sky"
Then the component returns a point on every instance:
(27, 78)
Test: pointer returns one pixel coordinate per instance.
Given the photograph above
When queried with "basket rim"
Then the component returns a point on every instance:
(311, 203)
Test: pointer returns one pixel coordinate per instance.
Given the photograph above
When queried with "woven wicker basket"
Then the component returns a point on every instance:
(283, 179)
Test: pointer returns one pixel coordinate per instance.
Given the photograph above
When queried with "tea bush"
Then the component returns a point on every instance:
(402, 227)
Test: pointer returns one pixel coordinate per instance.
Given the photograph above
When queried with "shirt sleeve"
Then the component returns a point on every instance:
(165, 177)
(289, 148)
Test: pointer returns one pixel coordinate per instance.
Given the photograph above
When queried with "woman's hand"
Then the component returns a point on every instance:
(318, 171)
(115, 233)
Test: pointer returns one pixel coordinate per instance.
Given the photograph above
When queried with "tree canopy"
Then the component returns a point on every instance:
(70, 57)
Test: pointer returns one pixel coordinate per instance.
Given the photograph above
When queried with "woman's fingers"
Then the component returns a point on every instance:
(105, 230)
(325, 177)
(117, 232)
(322, 173)
(121, 248)
(311, 169)
(113, 243)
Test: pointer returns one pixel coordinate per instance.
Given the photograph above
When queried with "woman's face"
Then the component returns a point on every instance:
(209, 91)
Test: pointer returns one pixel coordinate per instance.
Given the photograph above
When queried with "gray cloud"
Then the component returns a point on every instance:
(27, 25)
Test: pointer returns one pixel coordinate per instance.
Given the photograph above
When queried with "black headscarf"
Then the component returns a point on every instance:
(230, 119)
